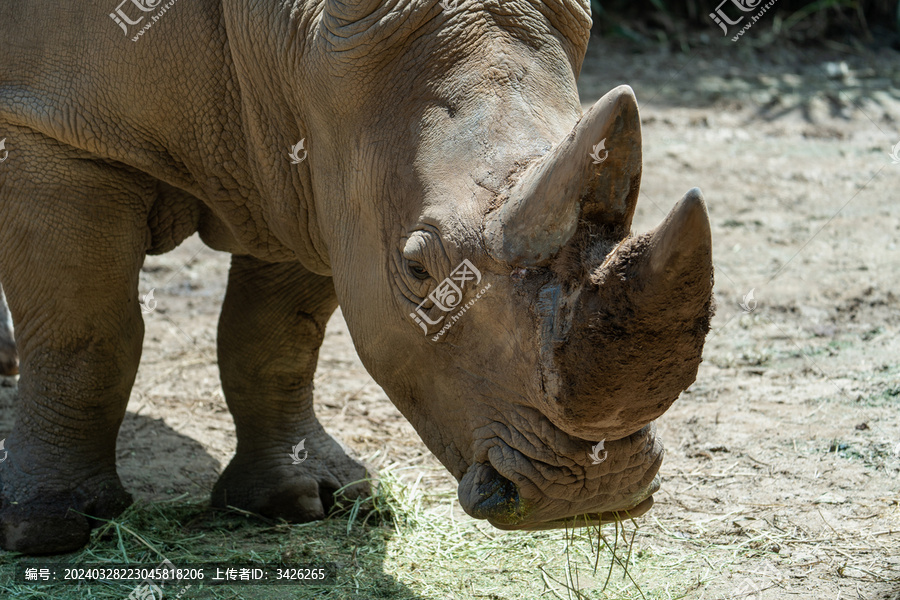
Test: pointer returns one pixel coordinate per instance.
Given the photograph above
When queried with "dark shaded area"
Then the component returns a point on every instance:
(190, 533)
(869, 21)
(817, 83)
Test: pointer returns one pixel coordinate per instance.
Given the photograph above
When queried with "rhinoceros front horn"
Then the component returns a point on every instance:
(638, 328)
(593, 175)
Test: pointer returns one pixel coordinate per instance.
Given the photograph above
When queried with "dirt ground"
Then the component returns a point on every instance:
(781, 478)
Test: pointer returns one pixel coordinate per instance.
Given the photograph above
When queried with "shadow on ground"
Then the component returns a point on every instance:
(185, 531)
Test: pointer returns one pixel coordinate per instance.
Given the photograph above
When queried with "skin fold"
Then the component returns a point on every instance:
(419, 126)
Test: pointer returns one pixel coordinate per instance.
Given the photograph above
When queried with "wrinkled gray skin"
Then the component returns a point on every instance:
(421, 127)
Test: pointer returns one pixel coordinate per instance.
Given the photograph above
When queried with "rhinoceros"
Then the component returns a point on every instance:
(424, 165)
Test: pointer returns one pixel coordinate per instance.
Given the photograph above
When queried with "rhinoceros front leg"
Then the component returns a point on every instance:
(272, 324)
(72, 239)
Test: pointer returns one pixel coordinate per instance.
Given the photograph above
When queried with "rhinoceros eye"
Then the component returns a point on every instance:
(421, 262)
(418, 271)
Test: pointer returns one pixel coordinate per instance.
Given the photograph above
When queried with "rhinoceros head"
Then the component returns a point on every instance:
(480, 242)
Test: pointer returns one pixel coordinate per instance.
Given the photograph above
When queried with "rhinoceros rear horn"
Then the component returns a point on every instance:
(592, 176)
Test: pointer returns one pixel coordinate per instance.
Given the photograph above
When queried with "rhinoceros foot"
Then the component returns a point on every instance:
(51, 520)
(274, 484)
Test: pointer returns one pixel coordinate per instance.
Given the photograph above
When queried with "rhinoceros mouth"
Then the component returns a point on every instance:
(485, 493)
(584, 520)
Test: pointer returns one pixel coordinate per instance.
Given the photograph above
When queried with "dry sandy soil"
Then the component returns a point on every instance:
(781, 479)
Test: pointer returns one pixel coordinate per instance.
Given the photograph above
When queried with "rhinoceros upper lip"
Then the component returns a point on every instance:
(582, 520)
(487, 491)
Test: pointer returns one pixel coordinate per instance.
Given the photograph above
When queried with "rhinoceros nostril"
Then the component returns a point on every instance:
(500, 500)
(486, 494)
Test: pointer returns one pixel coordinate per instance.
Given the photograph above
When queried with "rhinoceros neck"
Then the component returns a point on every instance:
(264, 49)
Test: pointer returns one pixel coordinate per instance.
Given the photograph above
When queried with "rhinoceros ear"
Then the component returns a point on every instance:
(592, 176)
